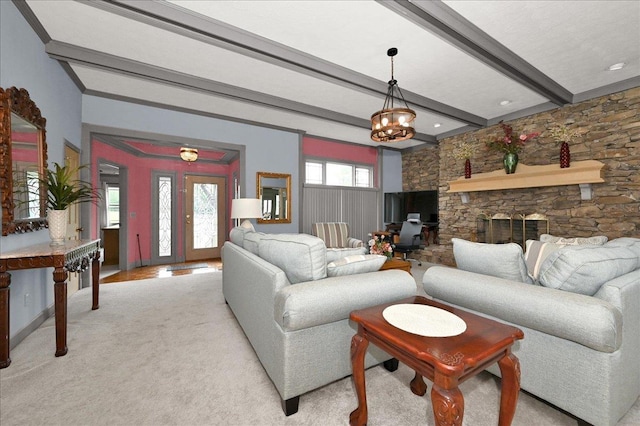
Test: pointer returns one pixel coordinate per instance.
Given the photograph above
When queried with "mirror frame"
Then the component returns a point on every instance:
(19, 102)
(259, 176)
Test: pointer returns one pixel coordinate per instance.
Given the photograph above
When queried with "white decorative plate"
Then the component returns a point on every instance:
(424, 320)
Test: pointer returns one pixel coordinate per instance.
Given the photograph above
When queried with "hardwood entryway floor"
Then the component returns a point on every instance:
(160, 271)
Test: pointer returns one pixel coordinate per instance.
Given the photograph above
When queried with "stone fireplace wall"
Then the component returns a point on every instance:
(610, 133)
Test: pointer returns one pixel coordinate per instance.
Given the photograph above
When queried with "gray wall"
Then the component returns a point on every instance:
(24, 64)
(391, 171)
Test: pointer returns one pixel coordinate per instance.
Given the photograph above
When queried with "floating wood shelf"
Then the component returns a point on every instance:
(582, 173)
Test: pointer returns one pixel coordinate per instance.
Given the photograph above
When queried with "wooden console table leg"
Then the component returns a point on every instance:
(448, 406)
(60, 300)
(510, 371)
(95, 282)
(5, 282)
(358, 350)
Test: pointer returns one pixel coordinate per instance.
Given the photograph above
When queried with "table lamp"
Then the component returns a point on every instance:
(246, 208)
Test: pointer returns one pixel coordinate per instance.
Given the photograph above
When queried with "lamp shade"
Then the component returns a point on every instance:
(246, 208)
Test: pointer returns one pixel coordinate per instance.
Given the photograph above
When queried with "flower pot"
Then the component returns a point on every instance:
(510, 161)
(565, 155)
(57, 226)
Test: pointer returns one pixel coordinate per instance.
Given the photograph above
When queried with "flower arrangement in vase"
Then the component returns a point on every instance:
(380, 245)
(464, 151)
(510, 144)
(564, 135)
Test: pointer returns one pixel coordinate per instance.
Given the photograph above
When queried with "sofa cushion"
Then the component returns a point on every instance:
(334, 254)
(334, 234)
(535, 255)
(357, 264)
(632, 244)
(498, 260)
(302, 257)
(237, 234)
(251, 241)
(574, 241)
(584, 269)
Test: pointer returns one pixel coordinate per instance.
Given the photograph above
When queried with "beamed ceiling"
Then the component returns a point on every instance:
(321, 67)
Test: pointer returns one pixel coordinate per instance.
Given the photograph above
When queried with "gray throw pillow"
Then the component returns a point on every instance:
(302, 257)
(584, 269)
(574, 241)
(358, 264)
(498, 260)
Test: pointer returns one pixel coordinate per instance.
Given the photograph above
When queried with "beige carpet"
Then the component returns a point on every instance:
(169, 352)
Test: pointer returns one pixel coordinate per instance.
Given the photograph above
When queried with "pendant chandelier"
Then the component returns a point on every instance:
(393, 124)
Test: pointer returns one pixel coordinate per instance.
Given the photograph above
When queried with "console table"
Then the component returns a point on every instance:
(74, 256)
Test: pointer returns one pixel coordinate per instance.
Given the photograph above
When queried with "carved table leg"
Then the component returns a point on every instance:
(95, 282)
(448, 406)
(5, 282)
(358, 350)
(418, 386)
(510, 371)
(60, 301)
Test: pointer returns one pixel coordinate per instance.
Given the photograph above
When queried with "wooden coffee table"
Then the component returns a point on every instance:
(395, 263)
(446, 361)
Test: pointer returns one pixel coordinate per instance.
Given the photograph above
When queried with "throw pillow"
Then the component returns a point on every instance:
(584, 269)
(358, 264)
(575, 241)
(302, 257)
(535, 255)
(334, 234)
(498, 260)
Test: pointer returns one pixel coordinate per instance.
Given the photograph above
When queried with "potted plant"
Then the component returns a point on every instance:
(63, 189)
(564, 135)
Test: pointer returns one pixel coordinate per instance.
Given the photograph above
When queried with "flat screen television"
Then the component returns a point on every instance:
(398, 204)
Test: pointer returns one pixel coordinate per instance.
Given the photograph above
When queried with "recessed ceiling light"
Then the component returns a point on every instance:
(505, 102)
(437, 125)
(616, 67)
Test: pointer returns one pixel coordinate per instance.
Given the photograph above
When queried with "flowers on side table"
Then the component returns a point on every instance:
(379, 244)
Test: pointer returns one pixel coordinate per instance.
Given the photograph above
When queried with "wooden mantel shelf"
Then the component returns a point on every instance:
(582, 173)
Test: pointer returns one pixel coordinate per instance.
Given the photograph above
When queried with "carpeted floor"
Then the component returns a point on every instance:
(158, 353)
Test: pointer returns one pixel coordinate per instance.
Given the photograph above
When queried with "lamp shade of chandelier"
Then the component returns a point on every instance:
(392, 124)
(189, 154)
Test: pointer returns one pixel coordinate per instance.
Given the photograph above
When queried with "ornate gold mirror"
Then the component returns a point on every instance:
(274, 191)
(23, 159)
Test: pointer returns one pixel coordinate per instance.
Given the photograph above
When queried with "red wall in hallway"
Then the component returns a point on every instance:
(139, 193)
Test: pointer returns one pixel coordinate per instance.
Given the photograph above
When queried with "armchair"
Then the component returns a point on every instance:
(337, 240)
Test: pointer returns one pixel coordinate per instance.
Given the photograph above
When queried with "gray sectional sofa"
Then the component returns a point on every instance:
(295, 316)
(580, 314)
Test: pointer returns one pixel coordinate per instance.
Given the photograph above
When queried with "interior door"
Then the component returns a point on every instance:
(205, 218)
(72, 159)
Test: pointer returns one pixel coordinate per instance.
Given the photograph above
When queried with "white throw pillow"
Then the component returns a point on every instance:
(358, 264)
(574, 241)
(498, 260)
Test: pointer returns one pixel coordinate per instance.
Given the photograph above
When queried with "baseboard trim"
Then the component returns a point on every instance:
(31, 327)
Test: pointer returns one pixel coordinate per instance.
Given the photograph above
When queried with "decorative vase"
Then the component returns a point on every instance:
(57, 226)
(565, 155)
(467, 169)
(510, 161)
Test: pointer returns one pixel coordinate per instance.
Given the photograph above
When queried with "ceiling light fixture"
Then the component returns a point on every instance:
(616, 67)
(505, 102)
(189, 154)
(393, 124)
(437, 125)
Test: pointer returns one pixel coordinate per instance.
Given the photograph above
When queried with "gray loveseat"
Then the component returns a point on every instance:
(580, 316)
(294, 315)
